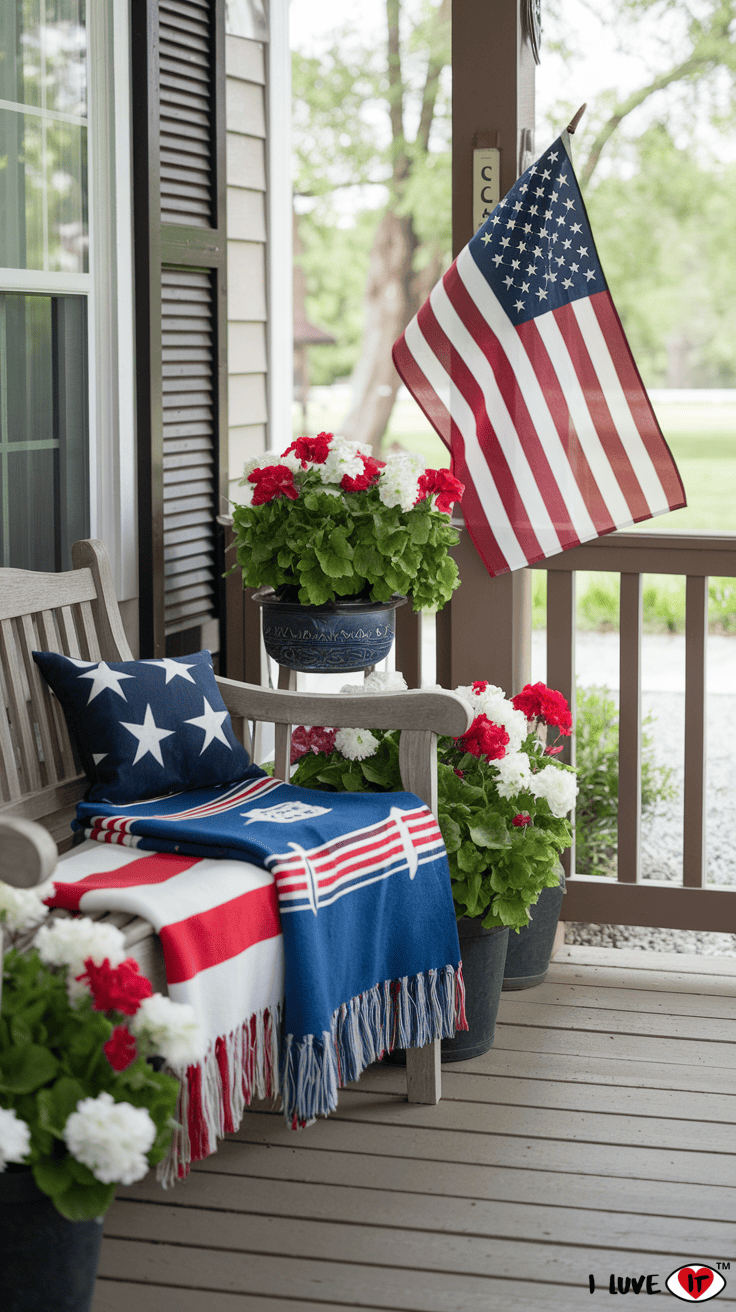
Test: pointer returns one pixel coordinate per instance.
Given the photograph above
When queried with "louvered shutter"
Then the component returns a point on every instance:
(179, 169)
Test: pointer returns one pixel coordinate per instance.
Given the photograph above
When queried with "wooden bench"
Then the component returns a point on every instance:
(76, 614)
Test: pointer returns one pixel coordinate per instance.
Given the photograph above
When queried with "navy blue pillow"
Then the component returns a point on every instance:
(145, 728)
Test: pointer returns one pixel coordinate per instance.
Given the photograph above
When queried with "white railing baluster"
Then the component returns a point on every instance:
(561, 627)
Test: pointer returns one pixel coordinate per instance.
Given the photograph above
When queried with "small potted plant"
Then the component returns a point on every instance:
(81, 1108)
(335, 540)
(504, 798)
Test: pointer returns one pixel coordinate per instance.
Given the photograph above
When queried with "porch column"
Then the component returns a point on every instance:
(485, 631)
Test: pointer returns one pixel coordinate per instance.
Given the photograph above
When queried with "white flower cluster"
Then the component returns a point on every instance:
(21, 908)
(171, 1028)
(343, 458)
(356, 744)
(514, 774)
(111, 1138)
(494, 703)
(398, 484)
(70, 942)
(559, 788)
(378, 681)
(15, 1137)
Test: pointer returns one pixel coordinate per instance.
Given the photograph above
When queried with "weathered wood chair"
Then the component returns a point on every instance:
(76, 614)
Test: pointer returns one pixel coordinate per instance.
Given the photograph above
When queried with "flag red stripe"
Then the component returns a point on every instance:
(422, 391)
(487, 440)
(599, 412)
(639, 403)
(211, 937)
(554, 396)
(513, 398)
(154, 869)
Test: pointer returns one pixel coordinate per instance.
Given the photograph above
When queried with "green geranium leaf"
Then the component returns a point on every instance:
(27, 1068)
(85, 1202)
(489, 831)
(53, 1177)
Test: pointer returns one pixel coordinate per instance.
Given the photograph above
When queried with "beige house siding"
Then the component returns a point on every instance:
(246, 223)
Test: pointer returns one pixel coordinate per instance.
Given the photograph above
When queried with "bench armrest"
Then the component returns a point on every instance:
(28, 853)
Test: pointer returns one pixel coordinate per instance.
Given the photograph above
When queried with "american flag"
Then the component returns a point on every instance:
(519, 360)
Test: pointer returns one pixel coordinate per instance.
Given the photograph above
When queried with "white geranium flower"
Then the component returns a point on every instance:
(378, 681)
(469, 695)
(171, 1028)
(343, 458)
(356, 744)
(291, 461)
(15, 1137)
(21, 908)
(514, 774)
(559, 788)
(398, 483)
(71, 941)
(111, 1138)
(499, 709)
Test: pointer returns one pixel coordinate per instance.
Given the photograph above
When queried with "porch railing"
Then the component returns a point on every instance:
(627, 899)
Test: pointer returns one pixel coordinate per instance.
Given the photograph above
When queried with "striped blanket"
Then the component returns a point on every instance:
(371, 957)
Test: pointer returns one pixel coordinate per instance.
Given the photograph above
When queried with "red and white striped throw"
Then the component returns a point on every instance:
(218, 922)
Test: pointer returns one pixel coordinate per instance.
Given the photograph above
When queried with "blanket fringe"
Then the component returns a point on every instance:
(404, 1013)
(214, 1094)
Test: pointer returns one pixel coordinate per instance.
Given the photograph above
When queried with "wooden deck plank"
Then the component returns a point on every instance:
(326, 1284)
(658, 1025)
(610, 977)
(355, 1205)
(623, 959)
(125, 1295)
(491, 1089)
(650, 1001)
(409, 1271)
(585, 1157)
(573, 1125)
(577, 1068)
(698, 1201)
(626, 1047)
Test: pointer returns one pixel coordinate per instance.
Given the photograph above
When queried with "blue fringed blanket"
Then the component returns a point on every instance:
(372, 958)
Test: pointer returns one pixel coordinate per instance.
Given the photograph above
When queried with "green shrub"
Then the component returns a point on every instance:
(596, 811)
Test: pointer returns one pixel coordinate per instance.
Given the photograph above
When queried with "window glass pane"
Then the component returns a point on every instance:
(44, 425)
(43, 199)
(44, 49)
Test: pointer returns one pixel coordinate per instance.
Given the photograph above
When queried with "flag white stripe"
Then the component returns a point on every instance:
(329, 882)
(610, 490)
(531, 390)
(327, 899)
(486, 489)
(615, 397)
(526, 485)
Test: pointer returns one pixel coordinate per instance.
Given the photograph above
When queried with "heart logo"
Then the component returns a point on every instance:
(695, 1282)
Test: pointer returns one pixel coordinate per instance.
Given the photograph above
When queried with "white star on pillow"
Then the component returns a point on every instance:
(174, 669)
(103, 677)
(211, 722)
(149, 737)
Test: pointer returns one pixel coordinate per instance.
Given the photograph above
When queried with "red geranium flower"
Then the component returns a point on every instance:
(480, 686)
(484, 738)
(120, 1048)
(460, 774)
(116, 988)
(311, 450)
(271, 482)
(311, 740)
(537, 701)
(371, 470)
(522, 820)
(552, 751)
(440, 481)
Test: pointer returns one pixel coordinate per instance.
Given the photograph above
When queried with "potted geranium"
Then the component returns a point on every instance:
(338, 539)
(81, 1108)
(504, 798)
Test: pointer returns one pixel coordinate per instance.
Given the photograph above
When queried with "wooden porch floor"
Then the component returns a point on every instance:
(596, 1137)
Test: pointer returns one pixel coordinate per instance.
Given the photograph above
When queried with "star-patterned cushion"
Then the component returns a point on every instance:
(146, 728)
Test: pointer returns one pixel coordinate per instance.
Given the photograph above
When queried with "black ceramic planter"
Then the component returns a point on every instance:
(483, 953)
(343, 636)
(528, 953)
(47, 1264)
